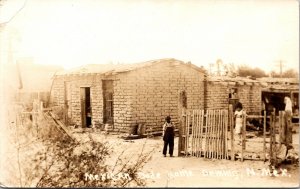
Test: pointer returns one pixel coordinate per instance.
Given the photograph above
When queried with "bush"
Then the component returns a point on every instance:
(66, 163)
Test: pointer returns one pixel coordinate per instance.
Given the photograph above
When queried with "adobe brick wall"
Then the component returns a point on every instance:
(217, 95)
(146, 95)
(149, 94)
(72, 85)
(249, 96)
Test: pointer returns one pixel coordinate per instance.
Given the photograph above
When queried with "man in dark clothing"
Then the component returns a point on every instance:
(168, 136)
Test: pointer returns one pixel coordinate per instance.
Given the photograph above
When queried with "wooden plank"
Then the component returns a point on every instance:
(201, 131)
(244, 125)
(222, 135)
(232, 153)
(213, 134)
(271, 138)
(181, 133)
(193, 136)
(219, 135)
(219, 119)
(197, 133)
(60, 125)
(257, 117)
(206, 126)
(226, 131)
(210, 134)
(244, 132)
(212, 138)
(264, 135)
(187, 133)
(279, 125)
(193, 129)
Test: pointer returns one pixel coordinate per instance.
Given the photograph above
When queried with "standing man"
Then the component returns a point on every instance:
(168, 136)
(287, 129)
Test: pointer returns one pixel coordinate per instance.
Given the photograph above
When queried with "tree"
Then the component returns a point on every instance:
(245, 71)
(290, 73)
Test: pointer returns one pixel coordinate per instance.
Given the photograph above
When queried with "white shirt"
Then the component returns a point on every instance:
(288, 104)
(239, 117)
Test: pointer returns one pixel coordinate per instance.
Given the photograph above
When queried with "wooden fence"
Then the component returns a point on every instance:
(205, 134)
(210, 134)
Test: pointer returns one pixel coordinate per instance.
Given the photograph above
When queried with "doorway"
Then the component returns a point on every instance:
(86, 114)
(107, 86)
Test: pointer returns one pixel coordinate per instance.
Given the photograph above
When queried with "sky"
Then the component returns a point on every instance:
(77, 32)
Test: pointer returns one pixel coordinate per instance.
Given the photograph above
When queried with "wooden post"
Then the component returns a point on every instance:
(206, 125)
(232, 154)
(264, 135)
(272, 133)
(226, 133)
(201, 130)
(192, 135)
(198, 134)
(243, 137)
(180, 130)
(187, 133)
(223, 134)
(212, 134)
(281, 118)
(244, 132)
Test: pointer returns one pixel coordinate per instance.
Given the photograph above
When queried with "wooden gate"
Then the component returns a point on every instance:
(210, 134)
(205, 134)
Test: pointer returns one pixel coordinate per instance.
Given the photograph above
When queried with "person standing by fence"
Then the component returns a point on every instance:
(239, 116)
(287, 128)
(168, 136)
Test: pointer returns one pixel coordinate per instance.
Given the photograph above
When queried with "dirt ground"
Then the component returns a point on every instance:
(197, 172)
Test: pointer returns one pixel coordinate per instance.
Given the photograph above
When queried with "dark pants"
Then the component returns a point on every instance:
(171, 147)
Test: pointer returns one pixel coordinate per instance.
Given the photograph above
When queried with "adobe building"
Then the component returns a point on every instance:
(124, 95)
(254, 94)
(223, 90)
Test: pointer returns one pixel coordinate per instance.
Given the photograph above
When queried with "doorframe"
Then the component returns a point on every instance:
(83, 94)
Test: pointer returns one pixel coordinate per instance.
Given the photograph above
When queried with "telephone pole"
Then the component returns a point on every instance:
(281, 64)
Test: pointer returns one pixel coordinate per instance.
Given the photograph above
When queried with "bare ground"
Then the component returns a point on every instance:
(196, 172)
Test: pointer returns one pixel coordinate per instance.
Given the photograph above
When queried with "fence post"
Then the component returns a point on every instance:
(230, 114)
(272, 138)
(244, 132)
(181, 132)
(264, 134)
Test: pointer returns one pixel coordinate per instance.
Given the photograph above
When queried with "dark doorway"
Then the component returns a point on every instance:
(86, 114)
(274, 100)
(107, 86)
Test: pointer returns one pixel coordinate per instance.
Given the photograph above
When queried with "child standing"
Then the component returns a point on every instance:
(168, 136)
(239, 114)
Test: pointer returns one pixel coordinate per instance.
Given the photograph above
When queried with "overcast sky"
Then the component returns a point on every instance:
(72, 33)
